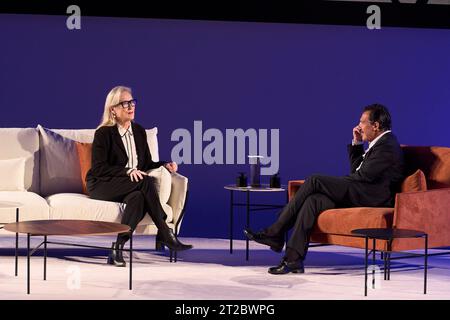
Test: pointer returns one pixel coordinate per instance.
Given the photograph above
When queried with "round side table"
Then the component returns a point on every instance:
(389, 234)
(264, 188)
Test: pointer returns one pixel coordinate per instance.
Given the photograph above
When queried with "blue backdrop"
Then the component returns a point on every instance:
(309, 81)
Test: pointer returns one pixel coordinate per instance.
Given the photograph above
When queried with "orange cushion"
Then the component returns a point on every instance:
(415, 182)
(85, 157)
(433, 161)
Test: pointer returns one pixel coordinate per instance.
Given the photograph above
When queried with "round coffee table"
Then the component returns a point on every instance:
(8, 205)
(47, 228)
(264, 188)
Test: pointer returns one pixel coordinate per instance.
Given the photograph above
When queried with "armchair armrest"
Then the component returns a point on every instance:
(426, 211)
(177, 199)
(293, 186)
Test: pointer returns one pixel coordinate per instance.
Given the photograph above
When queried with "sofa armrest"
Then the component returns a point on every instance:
(293, 186)
(177, 199)
(426, 211)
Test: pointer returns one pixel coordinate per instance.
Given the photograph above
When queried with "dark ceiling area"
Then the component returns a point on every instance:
(421, 14)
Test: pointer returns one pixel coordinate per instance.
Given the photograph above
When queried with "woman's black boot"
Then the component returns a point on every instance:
(115, 256)
(167, 238)
(159, 246)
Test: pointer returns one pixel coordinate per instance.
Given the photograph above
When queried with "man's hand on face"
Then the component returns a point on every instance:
(357, 136)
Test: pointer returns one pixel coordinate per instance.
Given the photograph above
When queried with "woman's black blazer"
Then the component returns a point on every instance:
(109, 158)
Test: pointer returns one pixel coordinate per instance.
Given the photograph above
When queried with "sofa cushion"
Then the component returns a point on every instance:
(12, 174)
(343, 221)
(18, 143)
(152, 140)
(163, 182)
(433, 161)
(34, 206)
(415, 182)
(60, 169)
(84, 151)
(81, 135)
(80, 206)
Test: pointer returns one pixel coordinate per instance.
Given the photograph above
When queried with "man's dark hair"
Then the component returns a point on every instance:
(379, 113)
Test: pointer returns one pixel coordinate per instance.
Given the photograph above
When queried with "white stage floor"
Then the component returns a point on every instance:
(210, 272)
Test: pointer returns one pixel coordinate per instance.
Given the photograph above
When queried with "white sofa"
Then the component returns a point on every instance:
(49, 184)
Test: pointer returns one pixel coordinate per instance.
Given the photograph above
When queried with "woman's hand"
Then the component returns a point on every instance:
(137, 175)
(171, 166)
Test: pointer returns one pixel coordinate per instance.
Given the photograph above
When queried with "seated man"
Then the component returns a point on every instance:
(375, 177)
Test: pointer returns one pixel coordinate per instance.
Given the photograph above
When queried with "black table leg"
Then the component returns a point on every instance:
(28, 263)
(389, 267)
(131, 261)
(17, 245)
(425, 266)
(286, 235)
(385, 266)
(365, 262)
(231, 221)
(45, 257)
(373, 263)
(248, 224)
(389, 260)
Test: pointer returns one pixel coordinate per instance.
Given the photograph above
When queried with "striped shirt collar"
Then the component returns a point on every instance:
(123, 131)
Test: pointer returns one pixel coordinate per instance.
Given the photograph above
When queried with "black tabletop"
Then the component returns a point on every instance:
(386, 233)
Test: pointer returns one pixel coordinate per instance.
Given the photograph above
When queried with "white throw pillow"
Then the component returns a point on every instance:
(163, 181)
(12, 174)
(59, 164)
(22, 143)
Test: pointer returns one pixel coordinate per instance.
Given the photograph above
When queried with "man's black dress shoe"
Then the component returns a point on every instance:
(286, 267)
(275, 243)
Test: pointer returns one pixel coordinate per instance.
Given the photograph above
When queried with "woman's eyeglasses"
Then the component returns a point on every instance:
(127, 104)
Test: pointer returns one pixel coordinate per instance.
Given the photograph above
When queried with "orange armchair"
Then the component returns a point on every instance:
(428, 211)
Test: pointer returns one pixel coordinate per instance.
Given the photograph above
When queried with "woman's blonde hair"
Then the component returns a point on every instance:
(112, 99)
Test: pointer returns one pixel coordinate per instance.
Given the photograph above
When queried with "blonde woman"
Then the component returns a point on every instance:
(120, 159)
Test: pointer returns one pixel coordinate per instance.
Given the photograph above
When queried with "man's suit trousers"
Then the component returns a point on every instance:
(317, 194)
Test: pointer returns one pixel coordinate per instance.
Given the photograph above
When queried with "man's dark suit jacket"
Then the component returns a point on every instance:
(380, 175)
(109, 158)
